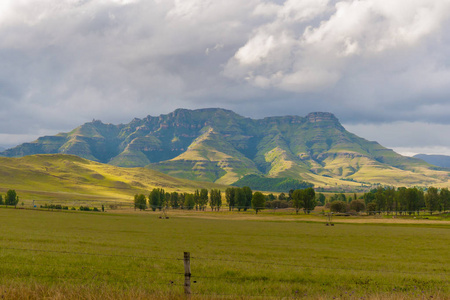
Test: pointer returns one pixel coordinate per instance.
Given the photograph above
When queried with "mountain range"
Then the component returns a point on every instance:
(437, 160)
(220, 146)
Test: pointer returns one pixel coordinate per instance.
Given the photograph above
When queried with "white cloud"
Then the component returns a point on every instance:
(407, 138)
(313, 37)
(65, 62)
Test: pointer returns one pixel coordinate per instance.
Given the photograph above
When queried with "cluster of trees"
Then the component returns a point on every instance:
(389, 199)
(285, 201)
(11, 198)
(407, 199)
(304, 199)
(239, 198)
(159, 199)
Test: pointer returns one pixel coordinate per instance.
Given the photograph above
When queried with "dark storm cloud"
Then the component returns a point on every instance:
(370, 62)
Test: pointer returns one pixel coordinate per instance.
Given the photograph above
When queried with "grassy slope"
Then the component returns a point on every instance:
(59, 176)
(211, 158)
(327, 153)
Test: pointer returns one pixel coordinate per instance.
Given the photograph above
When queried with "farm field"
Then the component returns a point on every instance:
(72, 255)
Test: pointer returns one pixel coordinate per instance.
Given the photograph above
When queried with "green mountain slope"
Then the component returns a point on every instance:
(209, 158)
(218, 145)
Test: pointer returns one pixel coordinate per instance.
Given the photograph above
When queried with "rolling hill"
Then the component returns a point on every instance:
(69, 177)
(220, 146)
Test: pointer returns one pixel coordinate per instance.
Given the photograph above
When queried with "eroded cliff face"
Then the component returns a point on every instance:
(219, 145)
(315, 117)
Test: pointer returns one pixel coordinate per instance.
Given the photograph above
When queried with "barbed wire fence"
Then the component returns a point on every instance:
(179, 278)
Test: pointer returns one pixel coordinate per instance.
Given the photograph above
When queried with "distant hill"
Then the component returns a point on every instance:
(64, 177)
(218, 145)
(437, 160)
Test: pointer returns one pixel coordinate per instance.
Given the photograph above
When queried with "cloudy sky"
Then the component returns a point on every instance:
(381, 66)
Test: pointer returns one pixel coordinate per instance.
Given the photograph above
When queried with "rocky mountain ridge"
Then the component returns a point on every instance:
(221, 146)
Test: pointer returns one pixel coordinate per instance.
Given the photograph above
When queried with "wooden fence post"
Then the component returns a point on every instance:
(187, 273)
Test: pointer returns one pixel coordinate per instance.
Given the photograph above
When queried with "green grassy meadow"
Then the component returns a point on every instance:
(71, 180)
(136, 255)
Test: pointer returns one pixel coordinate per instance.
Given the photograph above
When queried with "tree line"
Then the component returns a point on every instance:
(159, 199)
(236, 198)
(389, 199)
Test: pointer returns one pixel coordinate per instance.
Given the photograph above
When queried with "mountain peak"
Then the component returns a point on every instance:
(315, 117)
(315, 148)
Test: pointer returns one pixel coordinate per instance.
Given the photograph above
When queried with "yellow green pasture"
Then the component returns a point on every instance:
(73, 255)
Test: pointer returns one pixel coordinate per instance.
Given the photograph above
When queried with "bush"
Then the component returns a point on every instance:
(371, 208)
(54, 206)
(338, 206)
(277, 204)
(357, 205)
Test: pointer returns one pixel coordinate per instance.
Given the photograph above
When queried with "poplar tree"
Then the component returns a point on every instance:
(258, 201)
(229, 196)
(248, 193)
(445, 199)
(203, 200)
(432, 199)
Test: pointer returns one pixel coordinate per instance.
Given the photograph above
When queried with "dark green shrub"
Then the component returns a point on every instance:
(338, 206)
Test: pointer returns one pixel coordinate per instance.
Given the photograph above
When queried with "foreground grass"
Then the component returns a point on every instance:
(64, 255)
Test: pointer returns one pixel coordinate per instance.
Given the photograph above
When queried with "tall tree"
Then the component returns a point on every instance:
(432, 199)
(445, 199)
(218, 200)
(189, 202)
(174, 202)
(215, 199)
(181, 198)
(197, 199)
(399, 199)
(166, 203)
(258, 201)
(411, 200)
(156, 198)
(203, 199)
(389, 193)
(140, 202)
(309, 200)
(229, 196)
(11, 198)
(297, 199)
(248, 193)
(380, 199)
(239, 197)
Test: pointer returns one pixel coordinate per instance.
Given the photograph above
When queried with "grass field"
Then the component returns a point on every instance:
(73, 255)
